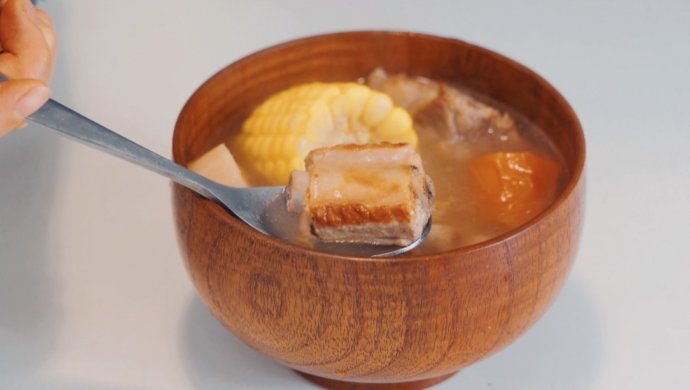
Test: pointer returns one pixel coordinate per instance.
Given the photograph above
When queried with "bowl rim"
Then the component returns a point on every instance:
(577, 173)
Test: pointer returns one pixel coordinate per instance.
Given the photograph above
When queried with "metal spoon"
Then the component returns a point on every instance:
(262, 208)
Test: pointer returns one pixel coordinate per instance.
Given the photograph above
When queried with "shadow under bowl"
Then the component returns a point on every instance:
(346, 320)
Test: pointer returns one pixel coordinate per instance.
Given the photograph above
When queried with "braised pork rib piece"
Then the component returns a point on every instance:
(375, 194)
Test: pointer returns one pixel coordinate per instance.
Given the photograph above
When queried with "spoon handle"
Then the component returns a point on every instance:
(80, 128)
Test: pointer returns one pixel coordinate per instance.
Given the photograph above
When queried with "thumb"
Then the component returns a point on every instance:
(19, 99)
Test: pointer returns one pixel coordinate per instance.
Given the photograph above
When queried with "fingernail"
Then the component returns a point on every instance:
(32, 101)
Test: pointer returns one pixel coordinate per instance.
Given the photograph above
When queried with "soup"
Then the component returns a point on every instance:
(492, 169)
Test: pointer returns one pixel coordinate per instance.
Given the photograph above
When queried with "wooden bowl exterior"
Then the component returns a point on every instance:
(366, 320)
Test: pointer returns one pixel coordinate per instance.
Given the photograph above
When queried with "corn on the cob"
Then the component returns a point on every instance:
(282, 130)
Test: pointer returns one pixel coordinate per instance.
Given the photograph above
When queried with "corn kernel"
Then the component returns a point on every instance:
(377, 107)
(393, 125)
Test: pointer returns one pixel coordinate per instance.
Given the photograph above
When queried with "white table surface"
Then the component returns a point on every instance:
(93, 292)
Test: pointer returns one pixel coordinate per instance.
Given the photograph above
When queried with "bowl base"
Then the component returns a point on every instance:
(344, 385)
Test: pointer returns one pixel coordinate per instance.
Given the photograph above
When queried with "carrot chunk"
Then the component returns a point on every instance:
(511, 188)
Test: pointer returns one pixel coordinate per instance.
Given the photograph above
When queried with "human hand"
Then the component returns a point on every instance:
(27, 56)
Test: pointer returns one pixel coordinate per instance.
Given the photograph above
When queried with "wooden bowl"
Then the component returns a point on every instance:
(337, 319)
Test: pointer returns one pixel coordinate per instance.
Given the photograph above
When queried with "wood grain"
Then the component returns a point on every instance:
(349, 319)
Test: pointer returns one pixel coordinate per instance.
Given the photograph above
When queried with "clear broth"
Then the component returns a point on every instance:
(457, 221)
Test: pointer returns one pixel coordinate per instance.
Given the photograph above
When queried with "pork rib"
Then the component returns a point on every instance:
(375, 194)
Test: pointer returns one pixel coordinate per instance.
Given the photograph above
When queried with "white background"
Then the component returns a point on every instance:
(93, 292)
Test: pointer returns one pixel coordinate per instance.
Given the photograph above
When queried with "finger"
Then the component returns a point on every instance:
(19, 99)
(18, 33)
(10, 66)
(27, 53)
(45, 23)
